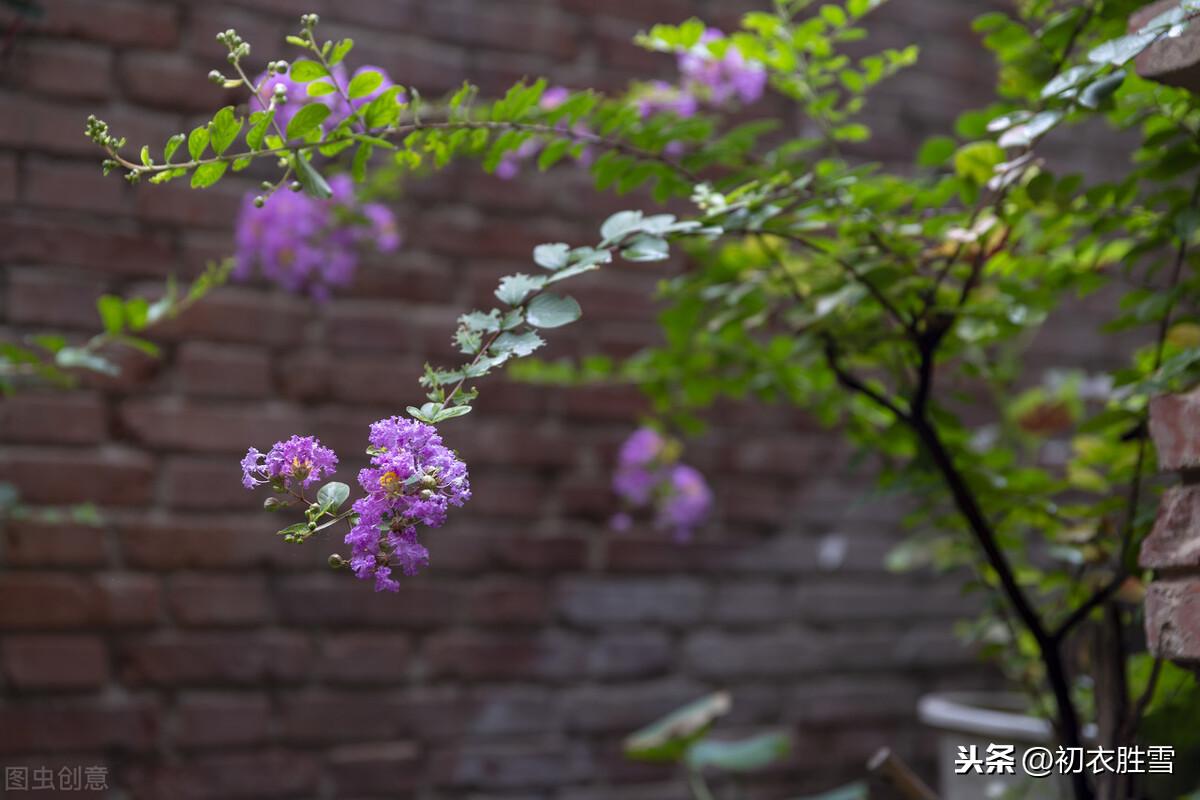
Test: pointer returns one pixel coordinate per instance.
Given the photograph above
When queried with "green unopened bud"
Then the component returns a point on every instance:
(274, 504)
(265, 186)
(281, 66)
(295, 186)
(216, 77)
(259, 202)
(231, 58)
(336, 561)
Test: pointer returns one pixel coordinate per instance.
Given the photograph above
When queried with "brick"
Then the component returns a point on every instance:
(364, 658)
(72, 186)
(109, 478)
(123, 22)
(241, 315)
(40, 297)
(514, 711)
(1171, 61)
(30, 601)
(833, 701)
(169, 81)
(1174, 420)
(749, 603)
(508, 602)
(511, 767)
(88, 726)
(221, 719)
(34, 544)
(218, 600)
(76, 418)
(103, 250)
(493, 656)
(1173, 619)
(598, 602)
(335, 600)
(842, 605)
(55, 662)
(68, 69)
(377, 768)
(129, 600)
(8, 178)
(208, 543)
(631, 654)
(48, 126)
(621, 709)
(541, 554)
(223, 371)
(206, 483)
(196, 659)
(776, 653)
(173, 424)
(1174, 541)
(231, 776)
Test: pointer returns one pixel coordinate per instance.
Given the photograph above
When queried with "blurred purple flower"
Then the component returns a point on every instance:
(309, 245)
(553, 97)
(658, 97)
(647, 475)
(298, 97)
(720, 80)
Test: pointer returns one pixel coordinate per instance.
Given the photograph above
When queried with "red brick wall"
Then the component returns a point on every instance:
(187, 649)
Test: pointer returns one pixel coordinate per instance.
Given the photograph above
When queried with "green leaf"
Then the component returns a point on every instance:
(1096, 93)
(514, 289)
(518, 344)
(451, 413)
(208, 174)
(646, 248)
(340, 50)
(197, 141)
(331, 496)
(669, 738)
(145, 156)
(313, 182)
(172, 145)
(304, 70)
(384, 110)
(936, 151)
(223, 129)
(364, 83)
(1120, 50)
(1028, 132)
(307, 120)
(112, 313)
(552, 311)
(746, 755)
(976, 161)
(551, 256)
(621, 224)
(320, 88)
(259, 122)
(77, 357)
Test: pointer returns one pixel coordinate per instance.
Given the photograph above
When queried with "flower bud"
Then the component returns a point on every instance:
(260, 201)
(295, 186)
(281, 66)
(216, 77)
(336, 561)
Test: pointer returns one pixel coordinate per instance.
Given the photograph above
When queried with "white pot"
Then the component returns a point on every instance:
(963, 719)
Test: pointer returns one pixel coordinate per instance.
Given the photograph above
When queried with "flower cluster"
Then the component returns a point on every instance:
(309, 245)
(413, 479)
(705, 80)
(272, 86)
(289, 466)
(648, 474)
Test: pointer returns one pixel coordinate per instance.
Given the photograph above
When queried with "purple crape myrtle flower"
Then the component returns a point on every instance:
(686, 503)
(305, 244)
(413, 480)
(649, 476)
(721, 80)
(657, 97)
(290, 465)
(298, 97)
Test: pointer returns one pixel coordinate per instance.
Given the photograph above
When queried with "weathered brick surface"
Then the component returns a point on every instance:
(185, 646)
(1173, 546)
